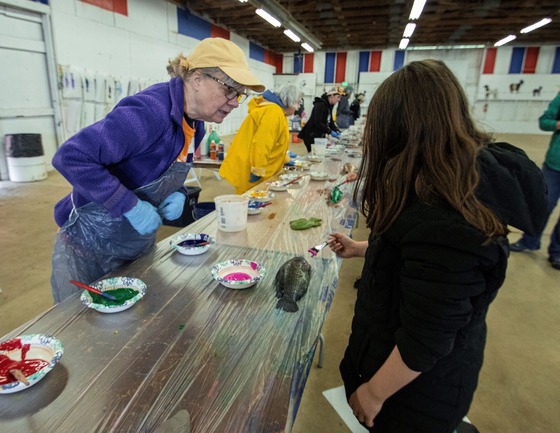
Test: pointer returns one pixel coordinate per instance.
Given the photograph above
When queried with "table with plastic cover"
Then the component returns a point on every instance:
(228, 357)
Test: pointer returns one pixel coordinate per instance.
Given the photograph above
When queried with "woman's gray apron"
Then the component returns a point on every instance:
(92, 243)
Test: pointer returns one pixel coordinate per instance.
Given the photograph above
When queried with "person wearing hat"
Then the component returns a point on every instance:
(355, 106)
(344, 116)
(320, 122)
(127, 170)
(259, 149)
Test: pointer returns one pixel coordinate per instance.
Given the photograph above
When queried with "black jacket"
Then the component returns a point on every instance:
(426, 286)
(320, 121)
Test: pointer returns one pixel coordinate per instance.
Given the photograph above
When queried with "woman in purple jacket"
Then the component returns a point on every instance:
(127, 169)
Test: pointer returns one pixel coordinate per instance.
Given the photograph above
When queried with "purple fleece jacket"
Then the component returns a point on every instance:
(131, 147)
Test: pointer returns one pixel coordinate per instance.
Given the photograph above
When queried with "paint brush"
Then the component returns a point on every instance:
(93, 290)
(292, 181)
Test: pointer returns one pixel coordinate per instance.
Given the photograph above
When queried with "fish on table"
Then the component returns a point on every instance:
(291, 283)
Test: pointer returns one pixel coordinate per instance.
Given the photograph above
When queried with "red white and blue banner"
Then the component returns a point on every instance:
(335, 67)
(117, 6)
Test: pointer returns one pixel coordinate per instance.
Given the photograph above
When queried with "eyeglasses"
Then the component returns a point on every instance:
(231, 92)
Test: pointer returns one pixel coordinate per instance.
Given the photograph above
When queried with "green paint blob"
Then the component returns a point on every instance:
(122, 296)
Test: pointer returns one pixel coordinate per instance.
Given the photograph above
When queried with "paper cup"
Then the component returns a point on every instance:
(231, 211)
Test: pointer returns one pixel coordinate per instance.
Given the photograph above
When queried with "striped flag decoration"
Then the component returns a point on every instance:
(523, 60)
(117, 6)
(335, 67)
(195, 27)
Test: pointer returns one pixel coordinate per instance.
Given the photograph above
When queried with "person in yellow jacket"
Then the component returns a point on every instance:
(259, 150)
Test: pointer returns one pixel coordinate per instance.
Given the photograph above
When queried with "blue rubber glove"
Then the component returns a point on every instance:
(143, 217)
(290, 163)
(172, 207)
(254, 178)
(335, 134)
(292, 154)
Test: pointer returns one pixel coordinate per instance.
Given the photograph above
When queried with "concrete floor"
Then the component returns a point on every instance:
(520, 381)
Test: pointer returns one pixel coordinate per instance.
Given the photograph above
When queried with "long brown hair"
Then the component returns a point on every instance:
(419, 137)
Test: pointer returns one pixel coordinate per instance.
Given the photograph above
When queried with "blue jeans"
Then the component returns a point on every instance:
(552, 179)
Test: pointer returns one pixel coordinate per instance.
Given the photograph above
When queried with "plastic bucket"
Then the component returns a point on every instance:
(319, 149)
(25, 157)
(231, 211)
(202, 209)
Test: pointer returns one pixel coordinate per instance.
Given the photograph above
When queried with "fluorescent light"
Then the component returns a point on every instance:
(408, 30)
(307, 47)
(243, 1)
(292, 35)
(266, 16)
(416, 10)
(505, 40)
(404, 43)
(532, 27)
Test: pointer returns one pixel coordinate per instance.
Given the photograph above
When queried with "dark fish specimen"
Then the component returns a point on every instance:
(291, 283)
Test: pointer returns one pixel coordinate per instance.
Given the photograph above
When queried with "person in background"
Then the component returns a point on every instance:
(549, 121)
(437, 195)
(259, 149)
(127, 170)
(320, 122)
(344, 116)
(355, 106)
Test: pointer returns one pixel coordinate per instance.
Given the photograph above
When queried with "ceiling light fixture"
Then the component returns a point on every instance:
(505, 40)
(416, 10)
(267, 17)
(404, 43)
(288, 21)
(532, 27)
(446, 47)
(243, 1)
(292, 35)
(408, 30)
(307, 47)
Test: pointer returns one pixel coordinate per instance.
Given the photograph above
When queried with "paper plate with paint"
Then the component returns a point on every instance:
(192, 244)
(314, 158)
(278, 185)
(319, 175)
(26, 359)
(238, 274)
(287, 177)
(260, 195)
(127, 290)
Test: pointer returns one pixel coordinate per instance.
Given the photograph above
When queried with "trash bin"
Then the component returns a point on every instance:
(186, 217)
(25, 157)
(203, 208)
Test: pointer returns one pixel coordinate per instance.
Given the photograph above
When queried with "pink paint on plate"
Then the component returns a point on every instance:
(237, 276)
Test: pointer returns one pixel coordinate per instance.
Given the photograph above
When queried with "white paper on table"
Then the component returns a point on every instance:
(337, 398)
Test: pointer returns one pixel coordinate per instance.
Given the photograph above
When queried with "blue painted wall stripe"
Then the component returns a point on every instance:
(399, 60)
(256, 52)
(556, 62)
(298, 63)
(330, 61)
(516, 63)
(193, 26)
(363, 62)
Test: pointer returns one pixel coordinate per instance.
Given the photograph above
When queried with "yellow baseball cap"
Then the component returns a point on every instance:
(224, 54)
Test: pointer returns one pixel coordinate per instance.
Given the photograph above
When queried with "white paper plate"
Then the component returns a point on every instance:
(238, 274)
(113, 284)
(262, 196)
(45, 348)
(319, 175)
(178, 242)
(278, 186)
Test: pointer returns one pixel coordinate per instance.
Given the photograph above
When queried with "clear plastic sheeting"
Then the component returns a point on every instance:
(228, 357)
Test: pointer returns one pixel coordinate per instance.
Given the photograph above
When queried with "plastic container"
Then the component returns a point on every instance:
(213, 150)
(202, 209)
(25, 157)
(231, 212)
